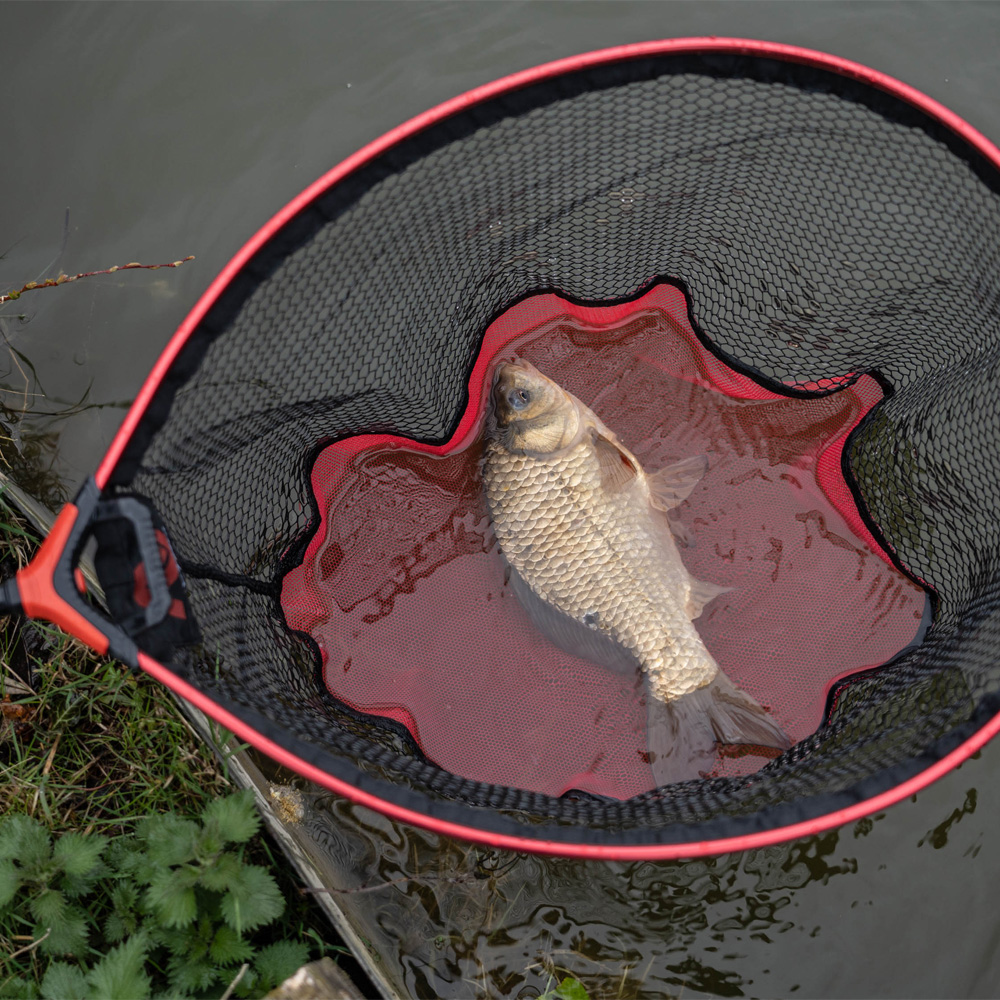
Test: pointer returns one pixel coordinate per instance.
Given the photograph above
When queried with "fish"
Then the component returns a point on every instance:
(592, 556)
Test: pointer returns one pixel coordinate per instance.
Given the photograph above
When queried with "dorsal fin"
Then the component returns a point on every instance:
(619, 468)
(673, 484)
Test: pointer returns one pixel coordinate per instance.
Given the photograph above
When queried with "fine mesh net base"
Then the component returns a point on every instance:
(820, 231)
(408, 599)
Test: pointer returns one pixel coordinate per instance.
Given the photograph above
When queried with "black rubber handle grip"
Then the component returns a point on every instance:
(47, 588)
(140, 518)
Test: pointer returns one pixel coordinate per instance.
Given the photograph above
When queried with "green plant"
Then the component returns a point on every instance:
(88, 748)
(568, 989)
(169, 910)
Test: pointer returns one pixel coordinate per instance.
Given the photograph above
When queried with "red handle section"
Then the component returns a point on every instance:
(38, 594)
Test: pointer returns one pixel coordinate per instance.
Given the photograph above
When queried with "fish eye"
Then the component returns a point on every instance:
(518, 399)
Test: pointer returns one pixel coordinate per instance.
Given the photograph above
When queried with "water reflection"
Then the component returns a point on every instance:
(938, 837)
(445, 919)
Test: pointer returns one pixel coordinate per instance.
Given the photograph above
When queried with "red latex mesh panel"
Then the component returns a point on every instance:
(403, 589)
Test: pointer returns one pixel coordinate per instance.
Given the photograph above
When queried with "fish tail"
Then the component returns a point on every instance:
(682, 733)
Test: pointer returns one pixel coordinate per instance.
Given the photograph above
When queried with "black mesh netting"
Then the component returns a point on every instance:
(820, 229)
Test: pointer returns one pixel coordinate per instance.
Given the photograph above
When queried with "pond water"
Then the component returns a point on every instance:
(167, 130)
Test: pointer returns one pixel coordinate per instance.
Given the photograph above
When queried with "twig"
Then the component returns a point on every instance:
(232, 986)
(29, 947)
(64, 279)
(361, 888)
(483, 874)
(52, 754)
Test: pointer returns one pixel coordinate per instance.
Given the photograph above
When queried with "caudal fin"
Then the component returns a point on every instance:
(682, 734)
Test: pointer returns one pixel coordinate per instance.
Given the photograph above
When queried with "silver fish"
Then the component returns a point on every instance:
(592, 557)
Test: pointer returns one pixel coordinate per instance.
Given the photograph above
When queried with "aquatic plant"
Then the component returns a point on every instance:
(28, 439)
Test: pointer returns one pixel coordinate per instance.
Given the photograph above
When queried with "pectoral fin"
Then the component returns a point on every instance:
(619, 467)
(701, 593)
(673, 484)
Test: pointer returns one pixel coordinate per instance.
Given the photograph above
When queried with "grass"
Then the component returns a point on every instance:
(96, 749)
(87, 747)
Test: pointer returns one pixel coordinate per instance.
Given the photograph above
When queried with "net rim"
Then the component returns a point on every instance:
(478, 95)
(589, 851)
(546, 72)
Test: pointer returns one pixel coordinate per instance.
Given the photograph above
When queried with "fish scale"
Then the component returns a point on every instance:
(567, 538)
(593, 559)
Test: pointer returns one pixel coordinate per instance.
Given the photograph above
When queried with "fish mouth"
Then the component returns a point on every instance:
(504, 380)
(503, 383)
(505, 370)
